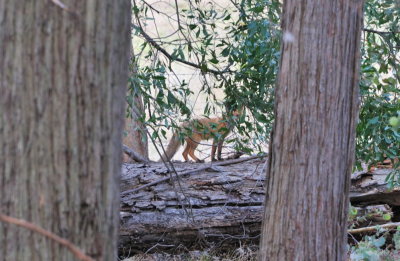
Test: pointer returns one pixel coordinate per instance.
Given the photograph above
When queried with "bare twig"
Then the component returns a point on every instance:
(380, 32)
(373, 228)
(78, 253)
(392, 52)
(193, 172)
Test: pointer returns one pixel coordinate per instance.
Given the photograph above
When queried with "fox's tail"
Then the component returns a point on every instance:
(172, 148)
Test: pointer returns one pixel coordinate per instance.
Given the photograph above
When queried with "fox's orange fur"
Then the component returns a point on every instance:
(201, 129)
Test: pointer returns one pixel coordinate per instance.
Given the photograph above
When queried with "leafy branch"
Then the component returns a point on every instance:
(202, 67)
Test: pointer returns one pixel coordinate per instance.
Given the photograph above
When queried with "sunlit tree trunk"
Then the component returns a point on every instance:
(312, 146)
(63, 76)
(137, 127)
(135, 134)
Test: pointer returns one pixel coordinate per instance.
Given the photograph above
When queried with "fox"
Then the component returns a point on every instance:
(201, 129)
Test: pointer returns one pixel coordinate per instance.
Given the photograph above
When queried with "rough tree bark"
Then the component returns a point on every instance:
(312, 146)
(222, 205)
(226, 205)
(63, 75)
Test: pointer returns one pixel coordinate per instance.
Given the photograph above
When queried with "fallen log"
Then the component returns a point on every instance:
(191, 172)
(216, 206)
(220, 205)
(370, 188)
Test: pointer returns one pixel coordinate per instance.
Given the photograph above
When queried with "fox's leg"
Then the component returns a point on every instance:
(213, 149)
(186, 151)
(219, 157)
(193, 145)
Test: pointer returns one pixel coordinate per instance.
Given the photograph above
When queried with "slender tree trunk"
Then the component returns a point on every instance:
(135, 136)
(63, 73)
(312, 146)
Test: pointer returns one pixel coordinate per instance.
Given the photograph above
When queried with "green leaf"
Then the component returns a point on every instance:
(379, 242)
(373, 120)
(387, 217)
(214, 60)
(171, 98)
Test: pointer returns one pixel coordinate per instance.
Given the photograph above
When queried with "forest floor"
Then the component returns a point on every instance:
(248, 254)
(240, 254)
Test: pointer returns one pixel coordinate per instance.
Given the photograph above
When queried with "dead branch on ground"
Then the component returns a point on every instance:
(373, 228)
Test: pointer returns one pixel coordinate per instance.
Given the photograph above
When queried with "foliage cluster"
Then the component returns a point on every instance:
(373, 248)
(379, 86)
(355, 218)
(235, 48)
(383, 245)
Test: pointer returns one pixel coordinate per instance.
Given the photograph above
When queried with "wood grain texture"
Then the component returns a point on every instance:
(63, 75)
(226, 205)
(312, 150)
(222, 206)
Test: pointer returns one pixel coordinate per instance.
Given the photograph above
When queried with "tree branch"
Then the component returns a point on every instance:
(30, 226)
(153, 43)
(133, 154)
(392, 52)
(373, 228)
(380, 32)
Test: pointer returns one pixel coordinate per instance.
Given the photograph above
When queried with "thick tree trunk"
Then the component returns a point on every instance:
(63, 73)
(312, 146)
